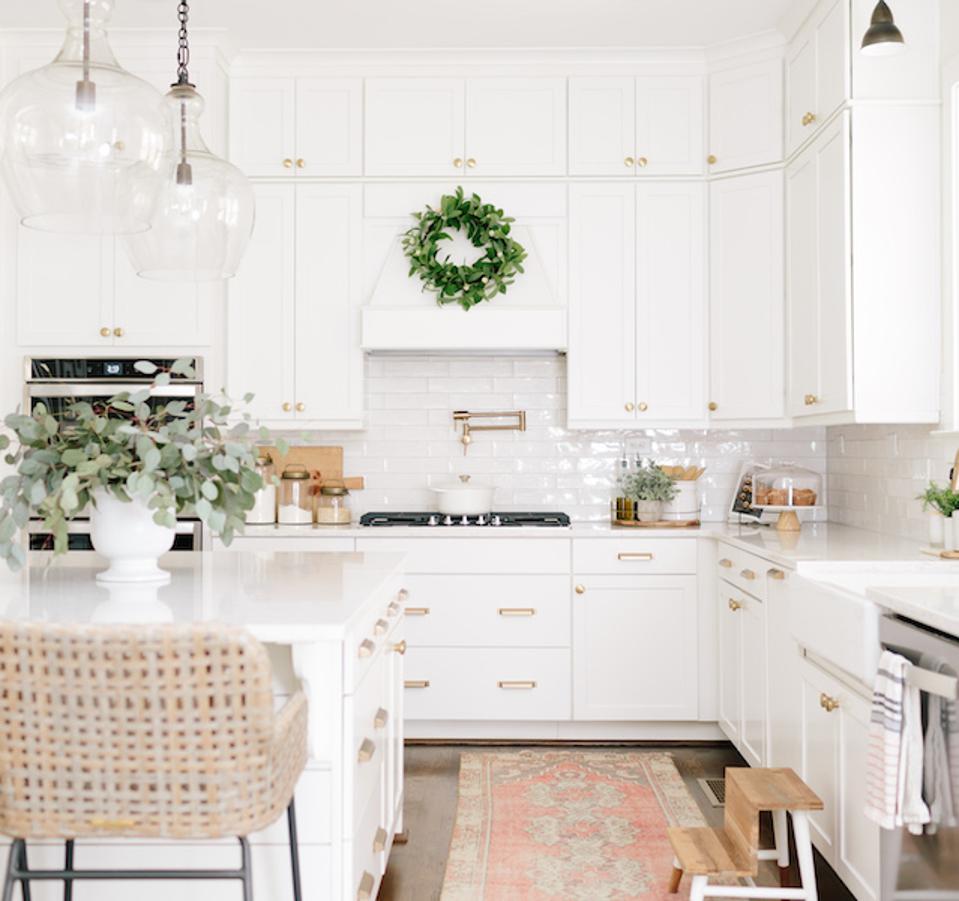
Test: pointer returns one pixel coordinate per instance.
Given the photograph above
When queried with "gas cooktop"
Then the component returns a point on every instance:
(440, 520)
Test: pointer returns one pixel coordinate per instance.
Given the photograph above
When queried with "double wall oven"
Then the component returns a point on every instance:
(56, 382)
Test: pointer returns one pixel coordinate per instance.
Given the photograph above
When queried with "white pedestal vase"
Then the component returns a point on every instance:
(131, 541)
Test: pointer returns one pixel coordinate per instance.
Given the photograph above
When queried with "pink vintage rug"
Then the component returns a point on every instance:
(566, 826)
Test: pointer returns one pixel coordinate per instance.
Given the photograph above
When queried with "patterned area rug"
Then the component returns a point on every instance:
(566, 826)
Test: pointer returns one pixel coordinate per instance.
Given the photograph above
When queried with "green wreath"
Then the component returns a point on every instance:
(486, 227)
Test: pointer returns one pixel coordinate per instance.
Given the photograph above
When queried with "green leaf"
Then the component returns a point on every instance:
(209, 490)
(147, 367)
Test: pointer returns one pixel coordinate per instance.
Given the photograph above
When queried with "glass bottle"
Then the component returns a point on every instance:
(296, 500)
(264, 506)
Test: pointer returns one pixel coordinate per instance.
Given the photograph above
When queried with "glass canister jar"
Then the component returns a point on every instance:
(296, 501)
(264, 505)
(333, 505)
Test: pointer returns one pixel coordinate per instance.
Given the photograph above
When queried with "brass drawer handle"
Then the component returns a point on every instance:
(400, 647)
(827, 703)
(380, 719)
(416, 683)
(417, 611)
(747, 574)
(726, 563)
(635, 555)
(365, 891)
(366, 751)
(379, 840)
(517, 611)
(735, 605)
(381, 626)
(517, 684)
(392, 609)
(778, 574)
(402, 595)
(366, 648)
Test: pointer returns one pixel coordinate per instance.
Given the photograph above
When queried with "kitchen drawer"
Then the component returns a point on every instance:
(475, 554)
(366, 741)
(366, 837)
(370, 634)
(488, 611)
(634, 556)
(744, 570)
(476, 684)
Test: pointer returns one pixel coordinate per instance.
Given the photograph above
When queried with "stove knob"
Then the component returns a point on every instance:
(432, 521)
(481, 520)
(496, 521)
(448, 520)
(465, 521)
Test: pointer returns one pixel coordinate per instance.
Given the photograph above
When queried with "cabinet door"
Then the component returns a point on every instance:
(783, 674)
(832, 60)
(730, 663)
(670, 125)
(64, 289)
(602, 126)
(260, 309)
(601, 359)
(635, 650)
(753, 740)
(329, 125)
(670, 301)
(516, 126)
(262, 125)
(820, 743)
(746, 298)
(329, 362)
(800, 89)
(746, 116)
(414, 126)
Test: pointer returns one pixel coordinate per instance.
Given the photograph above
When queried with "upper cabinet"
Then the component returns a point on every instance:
(746, 116)
(652, 125)
(474, 127)
(296, 126)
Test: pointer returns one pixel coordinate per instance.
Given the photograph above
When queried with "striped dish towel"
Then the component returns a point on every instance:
(884, 785)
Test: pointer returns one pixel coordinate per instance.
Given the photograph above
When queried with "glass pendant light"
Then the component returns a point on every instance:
(81, 138)
(882, 38)
(205, 211)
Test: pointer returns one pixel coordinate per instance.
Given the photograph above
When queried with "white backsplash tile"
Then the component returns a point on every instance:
(410, 442)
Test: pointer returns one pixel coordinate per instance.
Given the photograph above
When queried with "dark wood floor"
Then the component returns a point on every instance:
(432, 774)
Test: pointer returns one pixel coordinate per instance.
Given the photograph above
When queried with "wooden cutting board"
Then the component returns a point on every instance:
(325, 464)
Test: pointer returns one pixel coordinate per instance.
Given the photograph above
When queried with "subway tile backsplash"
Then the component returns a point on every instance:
(410, 442)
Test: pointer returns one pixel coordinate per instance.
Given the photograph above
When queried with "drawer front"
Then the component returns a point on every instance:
(371, 634)
(475, 554)
(634, 556)
(488, 611)
(474, 684)
(366, 741)
(367, 838)
(744, 570)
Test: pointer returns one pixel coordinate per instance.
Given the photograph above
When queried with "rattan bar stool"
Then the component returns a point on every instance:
(142, 732)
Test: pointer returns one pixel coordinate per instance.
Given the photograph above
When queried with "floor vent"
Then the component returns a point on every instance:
(714, 790)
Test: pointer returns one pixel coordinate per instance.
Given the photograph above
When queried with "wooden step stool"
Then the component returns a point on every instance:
(733, 852)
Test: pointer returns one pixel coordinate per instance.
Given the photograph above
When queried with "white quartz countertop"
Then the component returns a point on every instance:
(285, 597)
(934, 606)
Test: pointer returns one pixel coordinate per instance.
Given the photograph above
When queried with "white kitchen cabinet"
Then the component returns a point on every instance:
(293, 309)
(730, 661)
(747, 343)
(651, 125)
(637, 303)
(635, 648)
(754, 682)
(296, 126)
(784, 692)
(746, 116)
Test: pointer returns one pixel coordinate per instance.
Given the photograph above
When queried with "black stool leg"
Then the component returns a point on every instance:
(294, 851)
(24, 884)
(68, 865)
(246, 869)
(8, 881)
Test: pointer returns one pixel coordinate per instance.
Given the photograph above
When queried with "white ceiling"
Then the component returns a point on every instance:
(442, 23)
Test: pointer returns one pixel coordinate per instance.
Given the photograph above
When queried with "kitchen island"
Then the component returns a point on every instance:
(333, 624)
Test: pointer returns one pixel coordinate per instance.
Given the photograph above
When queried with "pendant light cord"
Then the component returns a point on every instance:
(183, 46)
(86, 40)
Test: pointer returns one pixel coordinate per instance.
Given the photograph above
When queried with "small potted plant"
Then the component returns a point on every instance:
(132, 465)
(650, 488)
(940, 503)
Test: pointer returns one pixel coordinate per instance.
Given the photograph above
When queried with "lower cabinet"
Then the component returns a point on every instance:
(834, 748)
(635, 648)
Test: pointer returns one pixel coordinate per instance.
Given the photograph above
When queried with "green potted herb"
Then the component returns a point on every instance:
(940, 502)
(650, 488)
(132, 465)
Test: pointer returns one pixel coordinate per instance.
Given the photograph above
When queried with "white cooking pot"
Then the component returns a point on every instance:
(462, 498)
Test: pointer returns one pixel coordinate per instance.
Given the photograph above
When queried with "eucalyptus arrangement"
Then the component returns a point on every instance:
(164, 457)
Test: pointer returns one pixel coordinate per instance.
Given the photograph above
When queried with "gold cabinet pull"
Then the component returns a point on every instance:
(629, 406)
(629, 162)
(726, 563)
(643, 407)
(380, 719)
(287, 163)
(712, 406)
(711, 159)
(580, 589)
(808, 119)
(392, 609)
(471, 163)
(416, 683)
(118, 332)
(458, 163)
(827, 703)
(735, 605)
(777, 574)
(400, 647)
(402, 596)
(300, 163)
(379, 841)
(287, 407)
(380, 627)
(747, 574)
(366, 751)
(810, 400)
(516, 684)
(365, 891)
(300, 407)
(517, 611)
(366, 648)
(634, 555)
(417, 611)
(104, 332)
(642, 162)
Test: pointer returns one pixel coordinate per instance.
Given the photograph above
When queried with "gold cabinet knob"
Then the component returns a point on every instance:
(300, 407)
(366, 751)
(827, 703)
(380, 627)
(643, 407)
(300, 163)
(642, 162)
(778, 574)
(810, 400)
(734, 605)
(400, 647)
(629, 162)
(711, 159)
(118, 332)
(726, 563)
(471, 163)
(712, 406)
(458, 163)
(104, 332)
(629, 406)
(748, 575)
(808, 119)
(380, 718)
(287, 163)
(379, 840)
(287, 408)
(580, 589)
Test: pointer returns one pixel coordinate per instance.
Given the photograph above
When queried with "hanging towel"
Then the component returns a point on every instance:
(940, 751)
(883, 786)
(913, 812)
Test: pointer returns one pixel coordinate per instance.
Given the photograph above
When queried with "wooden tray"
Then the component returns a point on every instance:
(939, 552)
(659, 524)
(324, 464)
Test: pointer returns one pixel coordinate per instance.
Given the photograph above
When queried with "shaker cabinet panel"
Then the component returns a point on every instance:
(602, 126)
(414, 126)
(820, 744)
(263, 125)
(754, 716)
(730, 663)
(329, 126)
(800, 90)
(670, 125)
